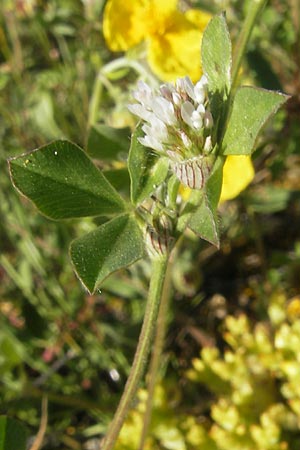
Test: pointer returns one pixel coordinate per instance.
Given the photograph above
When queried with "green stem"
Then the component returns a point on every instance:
(156, 355)
(112, 66)
(159, 267)
(95, 100)
(124, 62)
(254, 10)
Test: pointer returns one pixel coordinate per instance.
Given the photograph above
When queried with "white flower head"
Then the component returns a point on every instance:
(178, 124)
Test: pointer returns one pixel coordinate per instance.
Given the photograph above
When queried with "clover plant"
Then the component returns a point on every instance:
(185, 133)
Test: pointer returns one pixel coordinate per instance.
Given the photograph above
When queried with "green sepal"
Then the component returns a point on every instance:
(13, 434)
(62, 181)
(112, 246)
(107, 143)
(250, 110)
(147, 171)
(173, 186)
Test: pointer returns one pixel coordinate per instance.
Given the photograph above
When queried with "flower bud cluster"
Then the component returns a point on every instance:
(178, 124)
(159, 238)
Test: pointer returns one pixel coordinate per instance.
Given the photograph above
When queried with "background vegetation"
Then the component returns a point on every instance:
(231, 367)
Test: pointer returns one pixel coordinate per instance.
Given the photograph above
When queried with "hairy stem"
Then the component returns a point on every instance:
(156, 355)
(159, 267)
(255, 8)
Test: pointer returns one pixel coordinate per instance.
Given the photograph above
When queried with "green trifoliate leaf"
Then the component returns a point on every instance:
(146, 170)
(216, 56)
(251, 109)
(63, 182)
(107, 143)
(112, 246)
(12, 434)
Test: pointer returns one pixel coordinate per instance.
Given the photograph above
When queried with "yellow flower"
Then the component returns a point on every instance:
(173, 38)
(238, 172)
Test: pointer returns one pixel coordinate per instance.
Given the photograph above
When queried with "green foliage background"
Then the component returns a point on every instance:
(234, 304)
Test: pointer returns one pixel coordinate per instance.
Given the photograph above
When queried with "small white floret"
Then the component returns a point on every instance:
(143, 94)
(164, 110)
(149, 141)
(208, 120)
(141, 112)
(186, 111)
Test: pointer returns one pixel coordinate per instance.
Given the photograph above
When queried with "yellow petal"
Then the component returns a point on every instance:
(238, 172)
(163, 7)
(199, 18)
(123, 24)
(176, 52)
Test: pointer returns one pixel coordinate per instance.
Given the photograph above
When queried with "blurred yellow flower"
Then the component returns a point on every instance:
(173, 38)
(238, 172)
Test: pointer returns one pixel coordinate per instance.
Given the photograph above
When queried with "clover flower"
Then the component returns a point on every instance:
(172, 38)
(177, 125)
(172, 41)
